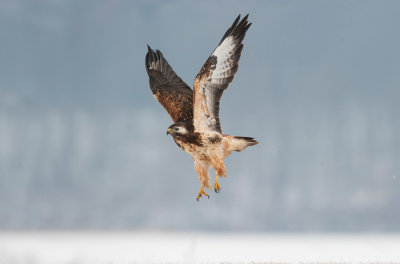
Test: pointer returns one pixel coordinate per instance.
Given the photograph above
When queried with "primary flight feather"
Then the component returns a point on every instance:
(197, 129)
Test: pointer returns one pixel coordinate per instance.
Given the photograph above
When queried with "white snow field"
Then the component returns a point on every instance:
(164, 247)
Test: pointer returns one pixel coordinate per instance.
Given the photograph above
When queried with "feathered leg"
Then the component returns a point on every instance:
(202, 172)
(220, 170)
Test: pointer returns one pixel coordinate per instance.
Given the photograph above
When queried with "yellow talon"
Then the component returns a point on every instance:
(217, 188)
(202, 192)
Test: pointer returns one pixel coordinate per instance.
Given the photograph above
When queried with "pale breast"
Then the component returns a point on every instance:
(209, 142)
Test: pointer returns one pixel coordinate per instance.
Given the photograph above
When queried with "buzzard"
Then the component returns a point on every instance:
(197, 129)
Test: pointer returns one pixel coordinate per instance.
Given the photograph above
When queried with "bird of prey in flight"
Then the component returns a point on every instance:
(197, 129)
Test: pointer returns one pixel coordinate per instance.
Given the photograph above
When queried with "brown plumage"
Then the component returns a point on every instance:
(172, 93)
(197, 129)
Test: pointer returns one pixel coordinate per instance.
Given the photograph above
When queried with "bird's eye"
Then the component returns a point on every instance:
(176, 129)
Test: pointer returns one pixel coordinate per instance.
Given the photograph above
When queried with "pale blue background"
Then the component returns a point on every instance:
(82, 140)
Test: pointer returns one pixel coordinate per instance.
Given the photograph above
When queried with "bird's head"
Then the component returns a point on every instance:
(177, 129)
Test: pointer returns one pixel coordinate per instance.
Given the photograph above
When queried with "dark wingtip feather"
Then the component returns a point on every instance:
(152, 56)
(149, 57)
(147, 60)
(149, 50)
(236, 21)
(237, 28)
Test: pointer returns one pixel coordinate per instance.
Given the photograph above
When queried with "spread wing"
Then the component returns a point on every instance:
(169, 90)
(215, 76)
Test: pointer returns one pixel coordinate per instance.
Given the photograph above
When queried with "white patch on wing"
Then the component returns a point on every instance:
(223, 52)
(222, 49)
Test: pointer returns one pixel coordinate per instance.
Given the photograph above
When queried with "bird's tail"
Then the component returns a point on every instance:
(243, 142)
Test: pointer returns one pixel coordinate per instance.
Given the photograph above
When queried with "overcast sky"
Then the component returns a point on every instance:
(82, 140)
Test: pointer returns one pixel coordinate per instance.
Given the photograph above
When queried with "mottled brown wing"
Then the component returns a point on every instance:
(172, 93)
(215, 76)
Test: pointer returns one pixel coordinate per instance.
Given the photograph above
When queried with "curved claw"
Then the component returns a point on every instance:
(202, 192)
(217, 188)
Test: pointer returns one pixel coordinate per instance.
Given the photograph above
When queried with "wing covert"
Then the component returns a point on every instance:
(168, 88)
(215, 76)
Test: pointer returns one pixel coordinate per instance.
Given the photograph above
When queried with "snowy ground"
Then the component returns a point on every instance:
(151, 247)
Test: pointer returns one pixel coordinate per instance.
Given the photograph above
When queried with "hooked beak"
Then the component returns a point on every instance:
(169, 131)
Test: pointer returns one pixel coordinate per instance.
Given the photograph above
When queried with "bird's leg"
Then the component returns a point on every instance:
(217, 188)
(202, 172)
(202, 192)
(220, 170)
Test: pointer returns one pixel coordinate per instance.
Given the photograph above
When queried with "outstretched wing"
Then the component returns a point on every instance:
(215, 76)
(172, 93)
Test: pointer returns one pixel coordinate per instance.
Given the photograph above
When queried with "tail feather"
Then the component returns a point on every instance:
(233, 143)
(240, 143)
(249, 140)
